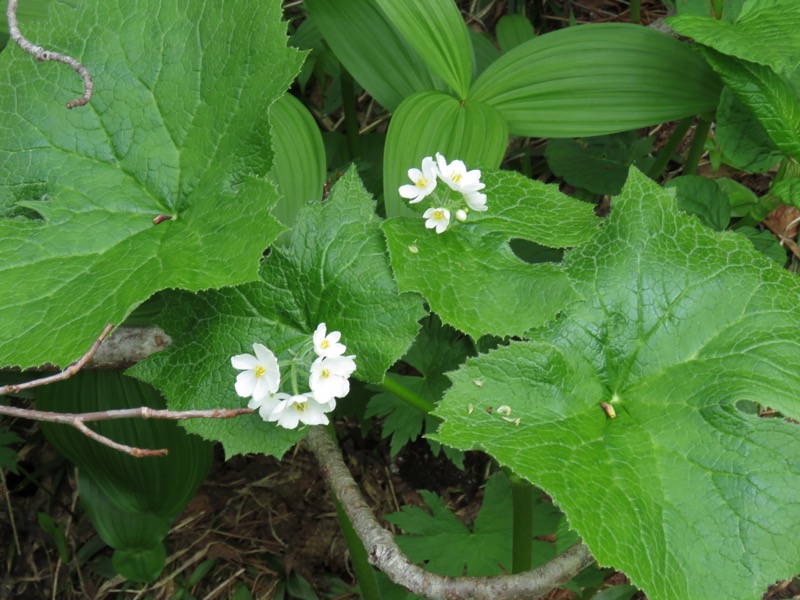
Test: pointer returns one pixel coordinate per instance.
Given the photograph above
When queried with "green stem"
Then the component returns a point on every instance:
(697, 147)
(522, 501)
(402, 392)
(636, 11)
(350, 114)
(665, 154)
(716, 8)
(365, 575)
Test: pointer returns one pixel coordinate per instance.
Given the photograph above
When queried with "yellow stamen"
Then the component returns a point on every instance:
(438, 215)
(456, 178)
(325, 373)
(300, 407)
(421, 182)
(260, 371)
(325, 344)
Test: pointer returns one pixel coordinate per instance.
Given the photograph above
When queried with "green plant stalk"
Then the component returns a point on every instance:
(767, 203)
(697, 147)
(522, 505)
(636, 11)
(365, 575)
(662, 158)
(716, 8)
(402, 392)
(350, 114)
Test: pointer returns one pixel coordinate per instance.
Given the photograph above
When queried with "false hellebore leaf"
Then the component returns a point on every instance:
(159, 182)
(687, 492)
(333, 270)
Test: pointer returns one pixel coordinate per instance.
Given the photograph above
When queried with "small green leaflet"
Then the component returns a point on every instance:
(334, 270)
(178, 127)
(688, 495)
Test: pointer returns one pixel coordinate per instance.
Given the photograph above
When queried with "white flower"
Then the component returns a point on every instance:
(327, 345)
(302, 408)
(437, 217)
(461, 216)
(456, 176)
(424, 182)
(476, 200)
(267, 404)
(260, 374)
(329, 377)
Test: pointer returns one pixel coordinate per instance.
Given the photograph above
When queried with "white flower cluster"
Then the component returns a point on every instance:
(466, 183)
(328, 380)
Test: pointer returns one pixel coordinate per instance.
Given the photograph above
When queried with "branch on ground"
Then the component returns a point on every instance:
(385, 555)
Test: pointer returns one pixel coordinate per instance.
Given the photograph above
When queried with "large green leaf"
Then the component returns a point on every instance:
(333, 270)
(766, 32)
(771, 97)
(431, 122)
(436, 30)
(689, 495)
(744, 141)
(596, 79)
(372, 50)
(178, 126)
(470, 276)
(299, 168)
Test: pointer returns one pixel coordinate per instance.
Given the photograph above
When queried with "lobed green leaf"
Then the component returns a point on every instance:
(685, 492)
(766, 32)
(470, 276)
(334, 269)
(177, 127)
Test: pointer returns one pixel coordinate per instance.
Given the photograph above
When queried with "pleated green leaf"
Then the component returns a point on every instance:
(372, 50)
(513, 30)
(436, 30)
(299, 167)
(431, 122)
(159, 485)
(596, 79)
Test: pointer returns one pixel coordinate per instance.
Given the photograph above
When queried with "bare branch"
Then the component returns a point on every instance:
(386, 555)
(79, 420)
(41, 54)
(63, 375)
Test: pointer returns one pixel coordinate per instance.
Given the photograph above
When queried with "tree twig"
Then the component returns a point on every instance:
(79, 420)
(386, 555)
(63, 375)
(41, 54)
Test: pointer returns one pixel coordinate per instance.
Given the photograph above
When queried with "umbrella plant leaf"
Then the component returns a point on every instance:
(685, 491)
(178, 127)
(771, 97)
(766, 32)
(469, 274)
(333, 270)
(596, 79)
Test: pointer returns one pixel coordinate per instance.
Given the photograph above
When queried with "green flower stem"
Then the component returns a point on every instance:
(365, 575)
(402, 392)
(662, 158)
(522, 502)
(697, 147)
(350, 114)
(636, 11)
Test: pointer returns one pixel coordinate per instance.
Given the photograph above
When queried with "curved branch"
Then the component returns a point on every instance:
(386, 555)
(41, 54)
